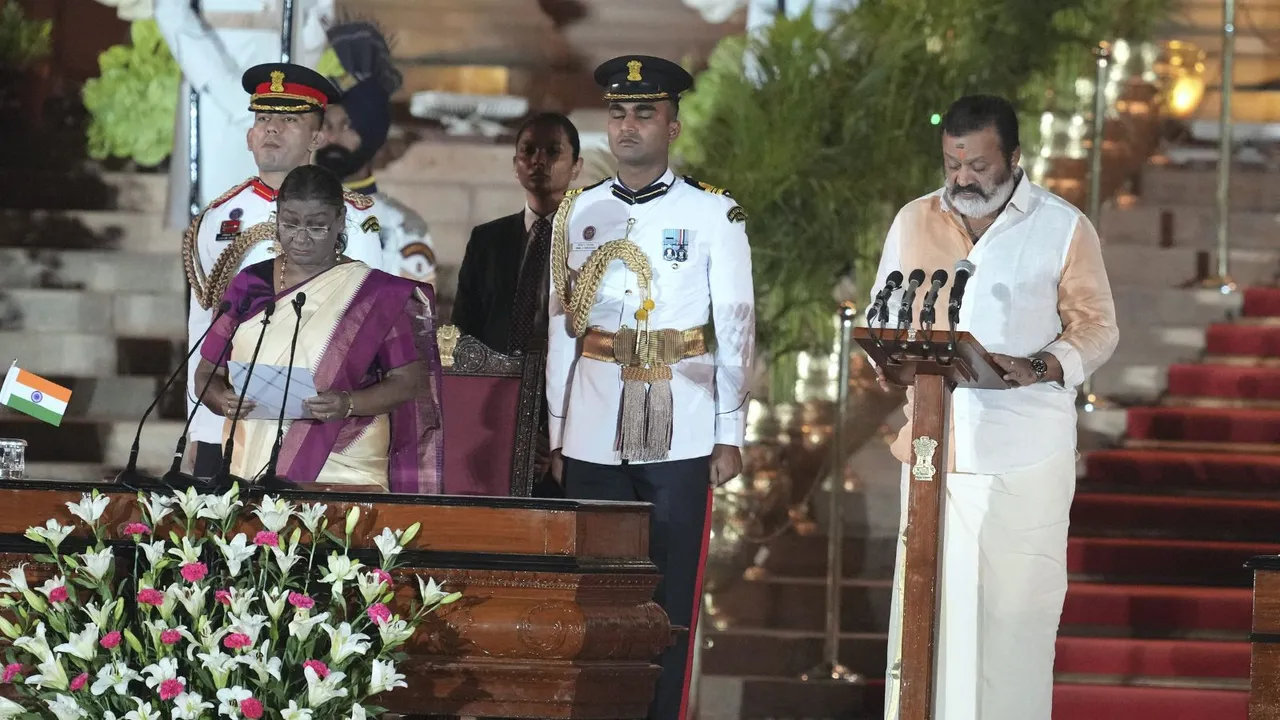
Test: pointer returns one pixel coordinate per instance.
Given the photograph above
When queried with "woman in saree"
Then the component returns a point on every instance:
(366, 337)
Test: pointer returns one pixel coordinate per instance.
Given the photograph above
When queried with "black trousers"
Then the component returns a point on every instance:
(208, 460)
(680, 492)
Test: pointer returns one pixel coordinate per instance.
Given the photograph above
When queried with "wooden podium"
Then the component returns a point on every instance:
(934, 362)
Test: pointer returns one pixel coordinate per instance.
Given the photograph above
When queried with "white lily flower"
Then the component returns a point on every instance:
(83, 644)
(101, 617)
(190, 503)
(190, 706)
(388, 545)
(170, 602)
(370, 587)
(250, 625)
(154, 551)
(344, 643)
(158, 507)
(53, 583)
(357, 712)
(321, 691)
(432, 594)
(261, 664)
(274, 513)
(37, 644)
(241, 600)
(97, 564)
(192, 598)
(10, 709)
(90, 507)
(303, 623)
(52, 533)
(113, 676)
(221, 507)
(165, 669)
(229, 701)
(383, 677)
(65, 707)
(50, 675)
(285, 560)
(187, 553)
(394, 633)
(236, 552)
(143, 712)
(341, 569)
(16, 580)
(219, 665)
(293, 712)
(275, 600)
(310, 516)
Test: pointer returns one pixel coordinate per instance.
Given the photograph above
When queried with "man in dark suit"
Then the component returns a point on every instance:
(502, 285)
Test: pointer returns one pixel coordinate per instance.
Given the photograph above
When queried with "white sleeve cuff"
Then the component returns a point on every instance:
(1072, 364)
(731, 429)
(555, 426)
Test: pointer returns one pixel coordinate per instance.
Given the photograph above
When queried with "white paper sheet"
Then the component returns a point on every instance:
(267, 389)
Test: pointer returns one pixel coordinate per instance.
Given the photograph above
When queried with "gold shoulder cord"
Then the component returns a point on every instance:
(560, 246)
(191, 257)
(228, 263)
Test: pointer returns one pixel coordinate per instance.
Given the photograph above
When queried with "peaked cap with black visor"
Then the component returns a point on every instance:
(285, 88)
(637, 78)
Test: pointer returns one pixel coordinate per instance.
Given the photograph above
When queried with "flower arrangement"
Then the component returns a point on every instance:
(133, 102)
(285, 625)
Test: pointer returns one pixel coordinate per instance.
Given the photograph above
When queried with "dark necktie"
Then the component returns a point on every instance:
(524, 314)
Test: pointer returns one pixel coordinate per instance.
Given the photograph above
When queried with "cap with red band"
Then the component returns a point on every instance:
(287, 88)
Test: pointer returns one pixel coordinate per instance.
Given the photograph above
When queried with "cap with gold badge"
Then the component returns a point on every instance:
(287, 88)
(634, 78)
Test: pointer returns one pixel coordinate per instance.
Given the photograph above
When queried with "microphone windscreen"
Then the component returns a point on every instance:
(894, 280)
(939, 277)
(964, 266)
(917, 276)
(300, 299)
(269, 308)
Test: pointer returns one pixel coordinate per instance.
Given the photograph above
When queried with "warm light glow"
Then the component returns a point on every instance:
(1186, 94)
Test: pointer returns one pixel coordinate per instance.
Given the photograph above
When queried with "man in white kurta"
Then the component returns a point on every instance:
(1041, 303)
(238, 229)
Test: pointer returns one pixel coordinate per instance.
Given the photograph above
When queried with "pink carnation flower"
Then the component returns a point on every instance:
(266, 537)
(379, 613)
(136, 528)
(11, 671)
(111, 640)
(382, 575)
(322, 670)
(251, 708)
(171, 688)
(300, 601)
(58, 594)
(235, 641)
(151, 596)
(170, 637)
(79, 682)
(223, 596)
(194, 572)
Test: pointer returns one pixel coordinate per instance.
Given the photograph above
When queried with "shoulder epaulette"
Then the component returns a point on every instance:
(229, 194)
(578, 191)
(357, 200)
(707, 187)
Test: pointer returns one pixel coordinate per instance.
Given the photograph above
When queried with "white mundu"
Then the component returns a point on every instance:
(238, 230)
(695, 242)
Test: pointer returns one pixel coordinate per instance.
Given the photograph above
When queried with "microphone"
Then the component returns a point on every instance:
(224, 476)
(269, 477)
(914, 280)
(175, 478)
(931, 298)
(880, 307)
(963, 270)
(129, 477)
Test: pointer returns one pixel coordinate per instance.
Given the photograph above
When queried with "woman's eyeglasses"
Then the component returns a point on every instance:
(316, 232)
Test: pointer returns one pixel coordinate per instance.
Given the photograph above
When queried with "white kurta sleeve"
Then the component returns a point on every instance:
(562, 350)
(890, 260)
(733, 312)
(203, 58)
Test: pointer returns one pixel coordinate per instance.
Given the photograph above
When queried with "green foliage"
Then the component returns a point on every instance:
(832, 132)
(23, 42)
(134, 102)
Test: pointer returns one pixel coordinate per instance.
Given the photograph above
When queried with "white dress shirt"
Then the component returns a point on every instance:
(713, 282)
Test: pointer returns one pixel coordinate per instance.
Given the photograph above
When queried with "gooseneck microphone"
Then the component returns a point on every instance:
(130, 477)
(224, 476)
(879, 309)
(963, 271)
(914, 280)
(927, 314)
(269, 477)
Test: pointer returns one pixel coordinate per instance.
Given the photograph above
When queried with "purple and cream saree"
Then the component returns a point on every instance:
(357, 324)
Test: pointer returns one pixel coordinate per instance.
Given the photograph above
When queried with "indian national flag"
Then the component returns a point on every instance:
(35, 396)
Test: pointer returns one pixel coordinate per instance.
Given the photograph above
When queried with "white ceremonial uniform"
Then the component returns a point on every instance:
(406, 241)
(250, 203)
(213, 49)
(1040, 286)
(701, 272)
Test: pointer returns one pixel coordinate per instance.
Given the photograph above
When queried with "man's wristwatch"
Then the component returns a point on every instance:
(1039, 367)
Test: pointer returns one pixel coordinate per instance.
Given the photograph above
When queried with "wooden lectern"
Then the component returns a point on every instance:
(934, 362)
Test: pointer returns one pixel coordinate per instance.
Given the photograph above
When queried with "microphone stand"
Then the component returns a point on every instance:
(269, 479)
(130, 477)
(224, 478)
(175, 478)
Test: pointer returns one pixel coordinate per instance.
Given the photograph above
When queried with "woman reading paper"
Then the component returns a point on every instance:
(367, 339)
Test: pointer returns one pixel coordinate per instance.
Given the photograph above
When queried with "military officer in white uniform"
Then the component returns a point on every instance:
(652, 333)
(238, 228)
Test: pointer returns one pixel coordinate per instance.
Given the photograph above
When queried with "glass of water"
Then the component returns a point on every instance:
(13, 463)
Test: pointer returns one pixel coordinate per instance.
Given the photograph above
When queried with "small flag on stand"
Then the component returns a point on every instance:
(33, 395)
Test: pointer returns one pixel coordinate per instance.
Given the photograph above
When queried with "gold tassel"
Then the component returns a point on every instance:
(661, 409)
(631, 432)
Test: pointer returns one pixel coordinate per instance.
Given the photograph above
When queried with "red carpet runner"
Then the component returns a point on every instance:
(1158, 612)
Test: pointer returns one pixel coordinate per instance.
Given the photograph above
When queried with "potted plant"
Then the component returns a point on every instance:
(133, 103)
(25, 46)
